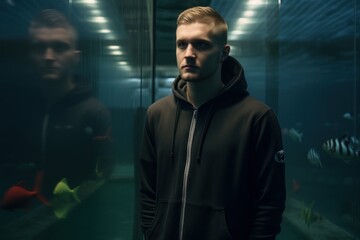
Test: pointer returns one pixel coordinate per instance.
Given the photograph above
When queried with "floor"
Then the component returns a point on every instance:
(108, 214)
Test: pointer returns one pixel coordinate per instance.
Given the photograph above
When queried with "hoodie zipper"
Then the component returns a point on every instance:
(186, 173)
(44, 138)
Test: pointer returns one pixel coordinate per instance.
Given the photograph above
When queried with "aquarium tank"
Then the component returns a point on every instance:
(69, 168)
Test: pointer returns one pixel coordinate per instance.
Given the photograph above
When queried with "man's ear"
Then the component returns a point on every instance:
(225, 52)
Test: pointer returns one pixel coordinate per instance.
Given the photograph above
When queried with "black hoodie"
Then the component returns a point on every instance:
(69, 140)
(215, 172)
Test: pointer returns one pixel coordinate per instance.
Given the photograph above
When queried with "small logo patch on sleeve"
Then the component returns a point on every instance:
(280, 156)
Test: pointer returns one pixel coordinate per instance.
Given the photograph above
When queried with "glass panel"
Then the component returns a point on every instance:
(67, 157)
(302, 59)
(319, 101)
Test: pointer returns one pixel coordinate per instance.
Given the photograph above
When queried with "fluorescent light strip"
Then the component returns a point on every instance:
(99, 19)
(114, 47)
(116, 53)
(104, 30)
(89, 2)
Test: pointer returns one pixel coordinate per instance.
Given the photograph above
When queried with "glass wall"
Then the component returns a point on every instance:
(68, 167)
(302, 59)
(319, 102)
(68, 150)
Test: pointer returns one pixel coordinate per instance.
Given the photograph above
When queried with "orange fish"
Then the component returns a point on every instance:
(19, 197)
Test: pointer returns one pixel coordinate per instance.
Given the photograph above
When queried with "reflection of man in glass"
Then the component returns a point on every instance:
(69, 129)
(53, 48)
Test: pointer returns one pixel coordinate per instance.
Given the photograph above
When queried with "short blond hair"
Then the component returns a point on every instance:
(205, 15)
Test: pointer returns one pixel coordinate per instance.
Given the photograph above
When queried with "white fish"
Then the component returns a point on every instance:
(348, 116)
(314, 157)
(295, 135)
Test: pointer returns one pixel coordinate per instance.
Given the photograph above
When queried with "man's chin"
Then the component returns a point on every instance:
(189, 77)
(50, 77)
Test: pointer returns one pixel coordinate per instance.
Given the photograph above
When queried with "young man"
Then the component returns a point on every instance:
(211, 164)
(68, 129)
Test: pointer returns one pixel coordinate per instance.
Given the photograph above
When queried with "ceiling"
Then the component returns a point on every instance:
(322, 27)
(301, 28)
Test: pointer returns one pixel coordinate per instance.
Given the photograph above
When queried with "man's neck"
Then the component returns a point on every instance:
(200, 92)
(54, 91)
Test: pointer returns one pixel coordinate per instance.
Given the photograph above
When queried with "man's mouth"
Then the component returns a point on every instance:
(189, 67)
(50, 69)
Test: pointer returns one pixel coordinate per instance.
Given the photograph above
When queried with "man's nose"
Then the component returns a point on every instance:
(190, 52)
(48, 54)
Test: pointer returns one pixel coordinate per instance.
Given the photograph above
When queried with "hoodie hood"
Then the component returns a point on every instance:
(235, 87)
(232, 75)
(81, 91)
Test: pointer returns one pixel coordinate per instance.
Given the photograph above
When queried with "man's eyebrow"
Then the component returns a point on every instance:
(192, 40)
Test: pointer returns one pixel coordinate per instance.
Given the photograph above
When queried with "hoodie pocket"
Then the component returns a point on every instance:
(205, 223)
(201, 223)
(166, 222)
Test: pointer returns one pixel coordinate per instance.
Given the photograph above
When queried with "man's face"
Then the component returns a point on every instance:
(53, 52)
(198, 54)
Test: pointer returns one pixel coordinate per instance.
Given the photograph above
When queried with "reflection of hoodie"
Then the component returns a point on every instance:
(70, 138)
(211, 172)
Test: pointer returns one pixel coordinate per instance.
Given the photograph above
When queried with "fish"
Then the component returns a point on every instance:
(308, 215)
(354, 142)
(346, 148)
(314, 157)
(64, 199)
(18, 197)
(295, 135)
(348, 116)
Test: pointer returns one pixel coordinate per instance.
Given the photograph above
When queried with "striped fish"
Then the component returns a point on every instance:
(346, 148)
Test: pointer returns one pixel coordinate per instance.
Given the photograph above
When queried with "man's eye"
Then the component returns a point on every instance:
(202, 45)
(57, 47)
(60, 47)
(38, 47)
(182, 45)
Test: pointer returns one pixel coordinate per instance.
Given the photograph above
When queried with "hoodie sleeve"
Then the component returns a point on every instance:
(147, 173)
(269, 178)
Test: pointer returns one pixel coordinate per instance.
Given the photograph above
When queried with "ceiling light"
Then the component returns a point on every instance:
(116, 53)
(249, 13)
(256, 2)
(244, 20)
(95, 12)
(99, 19)
(104, 31)
(88, 1)
(114, 47)
(237, 32)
